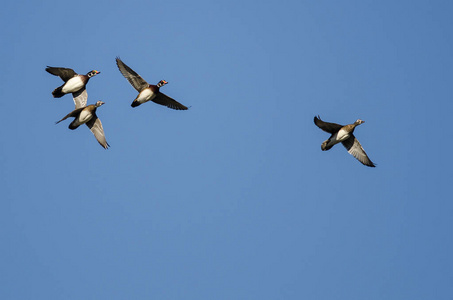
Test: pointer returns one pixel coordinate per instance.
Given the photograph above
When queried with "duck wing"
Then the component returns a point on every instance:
(80, 98)
(134, 79)
(327, 127)
(73, 113)
(95, 126)
(64, 73)
(163, 99)
(355, 149)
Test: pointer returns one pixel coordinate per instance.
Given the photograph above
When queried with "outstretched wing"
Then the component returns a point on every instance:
(64, 73)
(327, 127)
(134, 79)
(95, 126)
(80, 98)
(163, 99)
(355, 149)
(73, 113)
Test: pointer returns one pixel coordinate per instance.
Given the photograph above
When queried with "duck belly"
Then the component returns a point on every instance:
(145, 96)
(84, 117)
(72, 85)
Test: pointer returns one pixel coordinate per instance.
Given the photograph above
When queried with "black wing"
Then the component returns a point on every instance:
(64, 73)
(327, 127)
(163, 99)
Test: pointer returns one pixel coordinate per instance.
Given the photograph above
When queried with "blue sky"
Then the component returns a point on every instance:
(232, 199)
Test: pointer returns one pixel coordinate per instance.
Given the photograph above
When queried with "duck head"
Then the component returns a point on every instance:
(162, 83)
(93, 73)
(358, 122)
(99, 103)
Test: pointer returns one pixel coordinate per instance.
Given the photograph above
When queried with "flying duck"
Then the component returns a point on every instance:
(344, 134)
(147, 91)
(74, 83)
(87, 115)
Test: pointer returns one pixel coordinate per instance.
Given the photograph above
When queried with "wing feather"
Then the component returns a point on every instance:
(95, 126)
(64, 73)
(327, 127)
(80, 98)
(73, 113)
(134, 79)
(355, 149)
(163, 99)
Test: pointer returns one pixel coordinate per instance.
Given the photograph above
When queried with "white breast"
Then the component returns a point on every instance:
(145, 96)
(342, 135)
(338, 137)
(72, 85)
(84, 116)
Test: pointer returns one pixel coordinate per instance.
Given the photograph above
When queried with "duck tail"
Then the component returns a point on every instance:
(74, 124)
(135, 103)
(57, 93)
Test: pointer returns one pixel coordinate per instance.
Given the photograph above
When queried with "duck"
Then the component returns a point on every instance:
(87, 115)
(147, 92)
(344, 134)
(73, 83)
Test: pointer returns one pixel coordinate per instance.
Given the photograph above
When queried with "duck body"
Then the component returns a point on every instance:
(71, 86)
(87, 115)
(344, 134)
(335, 138)
(145, 95)
(147, 92)
(74, 84)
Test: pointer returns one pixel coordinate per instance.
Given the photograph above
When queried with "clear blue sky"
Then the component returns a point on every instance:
(232, 199)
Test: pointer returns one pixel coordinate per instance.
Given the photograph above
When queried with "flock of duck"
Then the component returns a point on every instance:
(75, 84)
